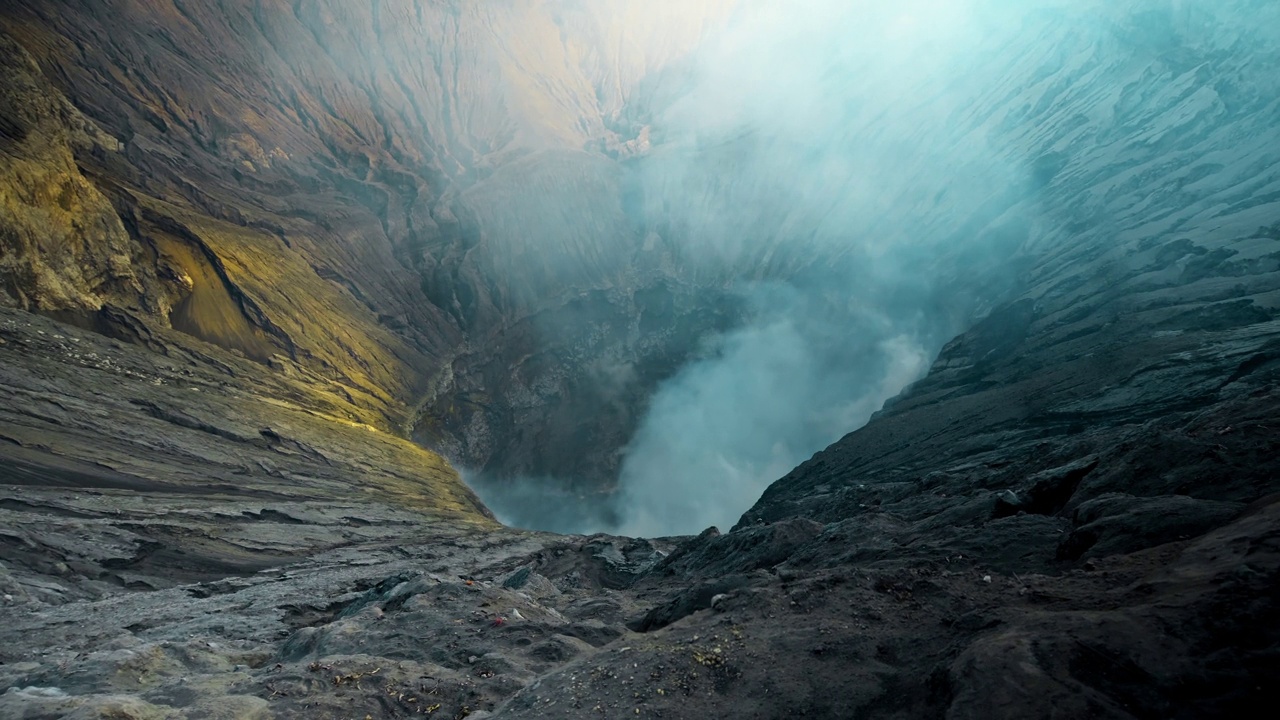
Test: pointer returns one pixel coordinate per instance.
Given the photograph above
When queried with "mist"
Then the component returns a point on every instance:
(818, 130)
(863, 177)
(811, 159)
(771, 393)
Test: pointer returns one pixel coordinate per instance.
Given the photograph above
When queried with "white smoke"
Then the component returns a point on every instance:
(814, 129)
(867, 175)
(719, 432)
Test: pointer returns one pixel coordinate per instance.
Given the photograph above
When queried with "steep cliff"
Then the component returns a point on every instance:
(347, 187)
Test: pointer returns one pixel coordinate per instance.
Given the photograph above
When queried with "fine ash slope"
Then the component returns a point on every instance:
(210, 509)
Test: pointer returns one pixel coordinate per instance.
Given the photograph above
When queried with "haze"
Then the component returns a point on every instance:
(806, 156)
(839, 168)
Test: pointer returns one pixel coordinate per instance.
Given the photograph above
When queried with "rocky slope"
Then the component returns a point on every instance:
(166, 557)
(418, 201)
(249, 250)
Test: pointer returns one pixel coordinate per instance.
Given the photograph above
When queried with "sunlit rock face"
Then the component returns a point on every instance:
(659, 252)
(365, 190)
